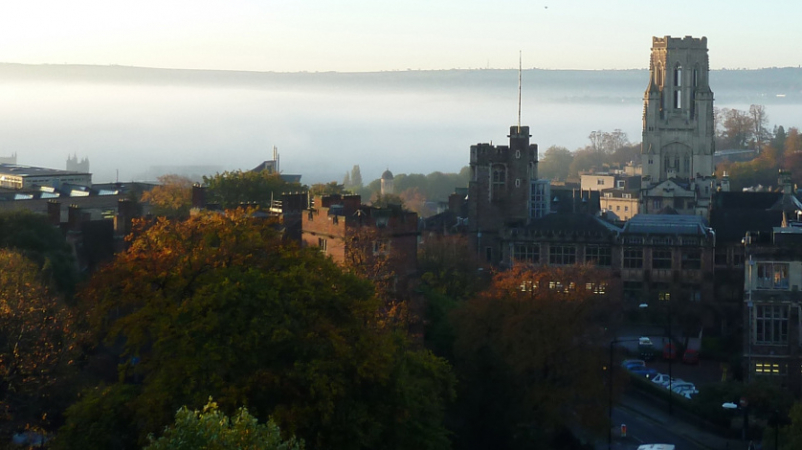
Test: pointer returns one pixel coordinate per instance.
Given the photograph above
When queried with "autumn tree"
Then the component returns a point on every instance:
(234, 189)
(171, 198)
(529, 358)
(555, 163)
(217, 306)
(35, 343)
(211, 429)
(736, 129)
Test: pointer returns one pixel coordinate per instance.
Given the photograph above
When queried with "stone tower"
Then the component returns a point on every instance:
(678, 130)
(500, 191)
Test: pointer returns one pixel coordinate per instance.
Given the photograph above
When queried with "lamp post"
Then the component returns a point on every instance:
(670, 361)
(610, 387)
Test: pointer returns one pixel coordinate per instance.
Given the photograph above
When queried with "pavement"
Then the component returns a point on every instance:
(698, 432)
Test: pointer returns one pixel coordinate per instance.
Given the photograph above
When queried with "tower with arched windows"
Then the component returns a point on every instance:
(678, 128)
(503, 190)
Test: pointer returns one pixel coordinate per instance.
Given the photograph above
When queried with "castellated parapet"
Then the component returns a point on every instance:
(499, 190)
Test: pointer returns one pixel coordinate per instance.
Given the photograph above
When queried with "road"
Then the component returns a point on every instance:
(641, 430)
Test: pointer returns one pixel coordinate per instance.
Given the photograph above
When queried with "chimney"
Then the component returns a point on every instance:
(125, 213)
(54, 212)
(74, 218)
(198, 196)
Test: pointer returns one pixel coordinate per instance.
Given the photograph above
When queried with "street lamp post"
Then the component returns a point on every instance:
(610, 387)
(670, 361)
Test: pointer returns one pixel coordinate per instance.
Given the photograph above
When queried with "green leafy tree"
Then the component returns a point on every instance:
(217, 305)
(35, 342)
(586, 160)
(356, 177)
(171, 198)
(555, 163)
(41, 242)
(330, 188)
(234, 189)
(210, 429)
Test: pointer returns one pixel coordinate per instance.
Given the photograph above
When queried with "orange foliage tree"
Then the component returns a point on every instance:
(35, 342)
(531, 354)
(171, 198)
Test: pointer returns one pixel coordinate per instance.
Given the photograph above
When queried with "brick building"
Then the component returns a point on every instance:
(338, 226)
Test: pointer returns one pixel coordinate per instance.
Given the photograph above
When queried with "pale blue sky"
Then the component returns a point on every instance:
(380, 35)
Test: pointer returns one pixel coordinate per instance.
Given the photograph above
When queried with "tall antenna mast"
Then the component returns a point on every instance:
(519, 92)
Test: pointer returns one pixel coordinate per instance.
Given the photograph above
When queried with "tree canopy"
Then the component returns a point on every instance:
(171, 198)
(528, 356)
(217, 306)
(36, 238)
(35, 342)
(234, 189)
(211, 429)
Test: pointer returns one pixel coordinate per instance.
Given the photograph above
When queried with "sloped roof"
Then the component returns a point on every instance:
(666, 224)
(572, 222)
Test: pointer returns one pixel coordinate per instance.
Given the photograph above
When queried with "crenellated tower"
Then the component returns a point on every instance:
(678, 127)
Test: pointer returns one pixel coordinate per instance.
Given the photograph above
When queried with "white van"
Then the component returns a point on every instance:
(656, 447)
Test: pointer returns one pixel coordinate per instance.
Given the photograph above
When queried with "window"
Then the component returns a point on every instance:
(770, 368)
(771, 324)
(626, 208)
(562, 255)
(633, 258)
(772, 276)
(498, 180)
(661, 259)
(489, 254)
(608, 195)
(678, 75)
(627, 195)
(657, 204)
(596, 288)
(687, 164)
(599, 182)
(322, 244)
(677, 102)
(539, 198)
(526, 252)
(600, 256)
(517, 182)
(692, 259)
(618, 207)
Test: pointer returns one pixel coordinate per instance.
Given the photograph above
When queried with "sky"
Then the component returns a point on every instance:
(388, 35)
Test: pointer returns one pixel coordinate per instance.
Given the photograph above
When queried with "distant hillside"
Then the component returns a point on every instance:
(765, 86)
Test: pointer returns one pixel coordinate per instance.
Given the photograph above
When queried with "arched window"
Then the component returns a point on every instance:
(499, 178)
(695, 76)
(658, 75)
(678, 75)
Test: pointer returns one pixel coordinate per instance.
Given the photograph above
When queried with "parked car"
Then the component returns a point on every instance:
(647, 372)
(669, 351)
(632, 362)
(645, 349)
(683, 388)
(690, 356)
(660, 379)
